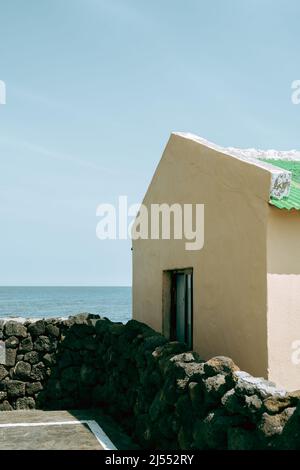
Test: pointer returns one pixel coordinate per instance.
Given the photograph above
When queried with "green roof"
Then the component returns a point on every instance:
(293, 200)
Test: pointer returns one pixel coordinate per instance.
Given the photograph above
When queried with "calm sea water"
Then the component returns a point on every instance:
(37, 302)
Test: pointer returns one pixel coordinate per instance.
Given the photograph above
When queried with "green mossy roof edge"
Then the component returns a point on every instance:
(293, 200)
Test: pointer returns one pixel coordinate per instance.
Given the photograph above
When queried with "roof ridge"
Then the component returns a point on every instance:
(280, 178)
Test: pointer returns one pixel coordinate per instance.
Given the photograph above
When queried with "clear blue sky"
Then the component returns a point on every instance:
(94, 88)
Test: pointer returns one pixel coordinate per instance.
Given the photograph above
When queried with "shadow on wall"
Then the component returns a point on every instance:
(163, 396)
(283, 242)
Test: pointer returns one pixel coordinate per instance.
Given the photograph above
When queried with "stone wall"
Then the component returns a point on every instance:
(163, 395)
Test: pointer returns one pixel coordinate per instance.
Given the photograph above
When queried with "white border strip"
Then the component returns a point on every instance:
(98, 432)
(100, 435)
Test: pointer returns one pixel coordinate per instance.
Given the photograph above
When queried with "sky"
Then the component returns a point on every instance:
(93, 90)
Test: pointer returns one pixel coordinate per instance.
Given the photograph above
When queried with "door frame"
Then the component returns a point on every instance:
(168, 302)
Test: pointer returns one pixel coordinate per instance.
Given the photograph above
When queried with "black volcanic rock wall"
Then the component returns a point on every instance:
(163, 395)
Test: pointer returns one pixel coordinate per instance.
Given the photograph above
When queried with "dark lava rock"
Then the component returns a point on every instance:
(242, 439)
(10, 356)
(38, 371)
(32, 357)
(211, 433)
(22, 370)
(26, 345)
(5, 406)
(33, 388)
(215, 386)
(219, 365)
(38, 328)
(26, 403)
(49, 359)
(13, 328)
(12, 342)
(15, 388)
(87, 374)
(43, 343)
(53, 330)
(3, 372)
(3, 396)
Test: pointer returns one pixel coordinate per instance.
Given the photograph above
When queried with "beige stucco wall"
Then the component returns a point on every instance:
(284, 297)
(230, 282)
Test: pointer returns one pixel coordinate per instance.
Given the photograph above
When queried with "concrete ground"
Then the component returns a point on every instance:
(60, 430)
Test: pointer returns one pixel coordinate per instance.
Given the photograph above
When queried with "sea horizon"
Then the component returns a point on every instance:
(64, 285)
(47, 301)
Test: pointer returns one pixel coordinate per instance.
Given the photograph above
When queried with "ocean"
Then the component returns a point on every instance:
(45, 302)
